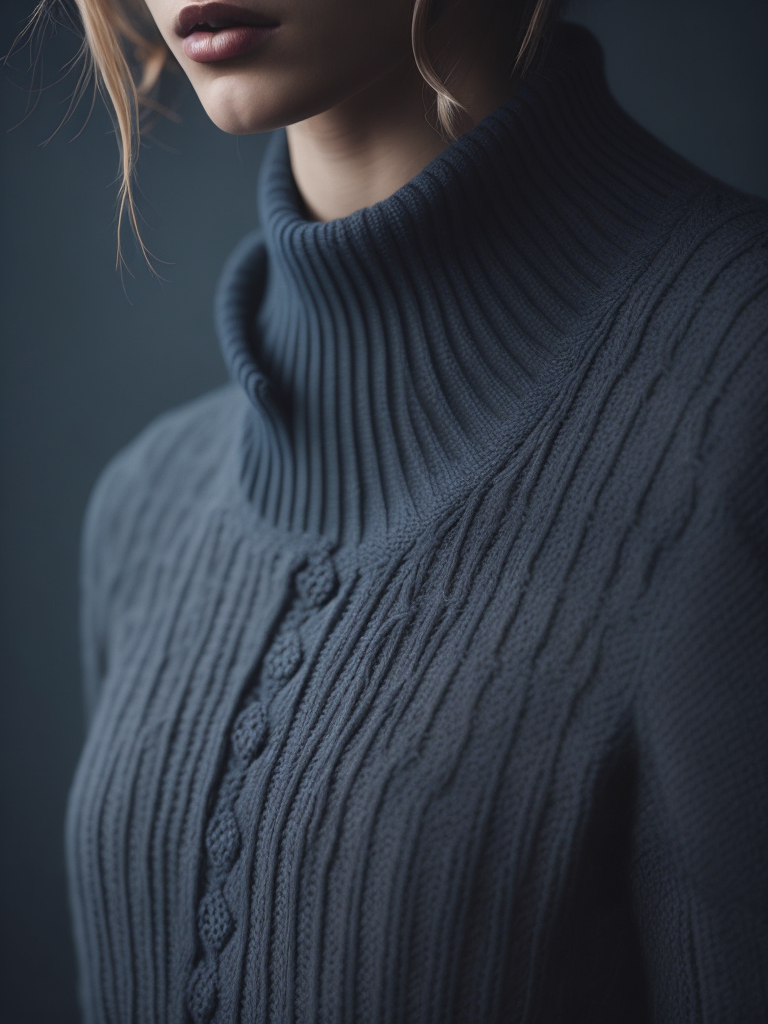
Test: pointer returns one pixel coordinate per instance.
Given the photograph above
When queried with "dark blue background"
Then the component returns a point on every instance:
(88, 357)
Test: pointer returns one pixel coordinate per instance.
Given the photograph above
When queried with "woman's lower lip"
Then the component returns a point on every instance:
(206, 47)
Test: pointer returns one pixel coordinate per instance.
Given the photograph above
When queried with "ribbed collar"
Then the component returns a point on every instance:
(392, 355)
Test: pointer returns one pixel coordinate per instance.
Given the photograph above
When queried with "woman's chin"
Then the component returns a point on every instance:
(237, 119)
(239, 108)
(269, 101)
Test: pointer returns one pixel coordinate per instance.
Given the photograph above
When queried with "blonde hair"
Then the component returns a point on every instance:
(125, 55)
(535, 29)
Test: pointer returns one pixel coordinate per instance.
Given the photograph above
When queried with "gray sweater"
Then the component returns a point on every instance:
(426, 662)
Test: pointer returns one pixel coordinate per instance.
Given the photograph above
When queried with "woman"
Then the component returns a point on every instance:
(426, 661)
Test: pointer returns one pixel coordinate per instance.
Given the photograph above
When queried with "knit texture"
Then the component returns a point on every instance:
(426, 662)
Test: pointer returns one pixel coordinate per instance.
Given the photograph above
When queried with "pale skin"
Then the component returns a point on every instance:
(340, 76)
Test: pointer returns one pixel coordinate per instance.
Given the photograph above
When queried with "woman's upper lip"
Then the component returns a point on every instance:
(210, 13)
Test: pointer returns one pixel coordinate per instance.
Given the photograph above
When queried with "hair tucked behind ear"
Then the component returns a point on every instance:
(534, 24)
(125, 55)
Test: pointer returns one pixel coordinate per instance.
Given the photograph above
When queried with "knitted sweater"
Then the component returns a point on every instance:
(426, 662)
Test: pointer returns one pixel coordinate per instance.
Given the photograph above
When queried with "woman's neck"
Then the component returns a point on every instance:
(364, 148)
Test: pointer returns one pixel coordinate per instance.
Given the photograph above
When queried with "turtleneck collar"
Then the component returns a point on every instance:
(392, 355)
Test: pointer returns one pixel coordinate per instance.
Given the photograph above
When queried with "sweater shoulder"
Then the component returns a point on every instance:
(176, 446)
(727, 225)
(171, 466)
(700, 303)
(689, 216)
(714, 231)
(718, 325)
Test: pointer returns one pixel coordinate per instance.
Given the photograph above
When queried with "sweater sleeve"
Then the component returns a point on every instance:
(93, 588)
(701, 869)
(107, 538)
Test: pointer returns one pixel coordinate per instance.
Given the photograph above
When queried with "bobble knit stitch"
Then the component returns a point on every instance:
(223, 841)
(215, 922)
(284, 656)
(425, 663)
(317, 581)
(250, 733)
(203, 994)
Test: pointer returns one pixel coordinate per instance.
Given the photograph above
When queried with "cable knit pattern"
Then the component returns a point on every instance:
(314, 583)
(425, 663)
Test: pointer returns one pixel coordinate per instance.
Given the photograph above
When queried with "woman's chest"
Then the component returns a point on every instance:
(302, 784)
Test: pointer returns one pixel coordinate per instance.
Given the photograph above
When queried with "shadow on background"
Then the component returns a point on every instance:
(88, 358)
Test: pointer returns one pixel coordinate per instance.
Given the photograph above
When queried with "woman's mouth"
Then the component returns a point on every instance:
(220, 31)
